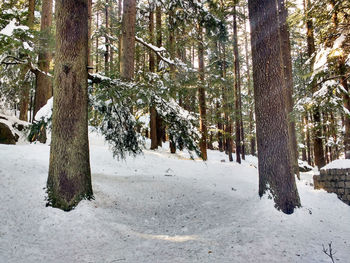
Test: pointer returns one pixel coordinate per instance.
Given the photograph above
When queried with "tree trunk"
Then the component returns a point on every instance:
(288, 77)
(201, 96)
(69, 178)
(238, 109)
(97, 43)
(128, 40)
(107, 38)
(317, 131)
(160, 126)
(249, 83)
(90, 62)
(153, 111)
(43, 90)
(25, 88)
(275, 166)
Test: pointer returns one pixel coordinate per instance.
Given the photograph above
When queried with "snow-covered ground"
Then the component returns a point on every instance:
(160, 207)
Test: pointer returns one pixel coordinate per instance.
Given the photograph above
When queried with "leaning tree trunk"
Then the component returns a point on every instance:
(128, 40)
(43, 90)
(288, 76)
(25, 87)
(317, 131)
(69, 178)
(275, 167)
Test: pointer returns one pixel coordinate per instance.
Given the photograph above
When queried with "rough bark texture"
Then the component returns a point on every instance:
(275, 167)
(128, 40)
(288, 77)
(201, 97)
(317, 131)
(69, 178)
(238, 109)
(43, 90)
(25, 88)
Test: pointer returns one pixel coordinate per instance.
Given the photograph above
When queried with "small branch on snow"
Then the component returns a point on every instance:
(329, 252)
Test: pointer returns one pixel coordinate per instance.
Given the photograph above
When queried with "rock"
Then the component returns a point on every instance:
(6, 135)
(304, 169)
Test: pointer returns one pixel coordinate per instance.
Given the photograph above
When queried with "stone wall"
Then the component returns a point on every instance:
(334, 181)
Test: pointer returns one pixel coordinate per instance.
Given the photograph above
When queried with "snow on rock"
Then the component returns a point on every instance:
(45, 112)
(205, 212)
(338, 164)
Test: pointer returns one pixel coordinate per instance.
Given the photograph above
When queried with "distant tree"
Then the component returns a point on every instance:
(43, 89)
(275, 164)
(69, 179)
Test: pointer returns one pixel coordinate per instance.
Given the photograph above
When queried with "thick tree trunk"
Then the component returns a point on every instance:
(128, 40)
(25, 88)
(275, 166)
(288, 77)
(43, 90)
(69, 178)
(317, 131)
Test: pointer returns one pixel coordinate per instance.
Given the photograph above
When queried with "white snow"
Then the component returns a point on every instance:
(338, 164)
(45, 112)
(159, 208)
(11, 27)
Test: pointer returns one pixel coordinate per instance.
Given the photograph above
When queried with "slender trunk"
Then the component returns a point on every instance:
(107, 38)
(43, 90)
(275, 166)
(97, 43)
(90, 62)
(160, 126)
(317, 131)
(288, 77)
(308, 141)
(69, 178)
(128, 40)
(201, 96)
(153, 111)
(120, 33)
(249, 83)
(24, 102)
(238, 109)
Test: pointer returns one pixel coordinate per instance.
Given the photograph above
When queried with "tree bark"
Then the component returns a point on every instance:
(275, 166)
(288, 77)
(43, 90)
(106, 55)
(24, 101)
(128, 40)
(317, 131)
(201, 96)
(153, 111)
(238, 108)
(69, 179)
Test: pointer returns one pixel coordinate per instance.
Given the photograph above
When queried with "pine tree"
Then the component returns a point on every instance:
(275, 166)
(69, 178)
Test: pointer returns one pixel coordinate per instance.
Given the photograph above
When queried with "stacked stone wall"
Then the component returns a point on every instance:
(334, 181)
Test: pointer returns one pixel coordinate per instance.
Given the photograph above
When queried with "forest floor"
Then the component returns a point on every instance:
(160, 207)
